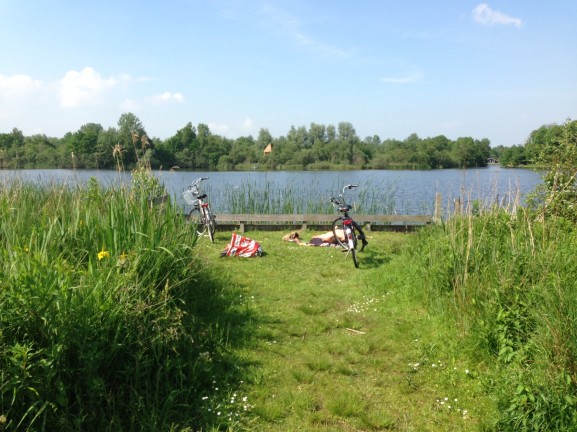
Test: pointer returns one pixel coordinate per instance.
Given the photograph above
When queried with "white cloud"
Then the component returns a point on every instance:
(485, 15)
(85, 87)
(167, 97)
(17, 87)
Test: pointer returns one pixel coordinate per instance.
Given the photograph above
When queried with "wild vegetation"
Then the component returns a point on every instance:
(103, 322)
(116, 317)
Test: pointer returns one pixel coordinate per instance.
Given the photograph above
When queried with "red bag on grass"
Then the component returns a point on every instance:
(242, 246)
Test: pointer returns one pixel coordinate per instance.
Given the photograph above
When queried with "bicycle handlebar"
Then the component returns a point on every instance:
(340, 200)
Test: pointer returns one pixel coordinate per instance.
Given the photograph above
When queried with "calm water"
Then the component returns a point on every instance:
(406, 192)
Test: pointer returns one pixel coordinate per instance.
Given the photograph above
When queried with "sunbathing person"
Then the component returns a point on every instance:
(326, 239)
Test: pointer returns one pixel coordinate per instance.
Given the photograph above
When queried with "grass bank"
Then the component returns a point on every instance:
(332, 347)
(467, 325)
(115, 317)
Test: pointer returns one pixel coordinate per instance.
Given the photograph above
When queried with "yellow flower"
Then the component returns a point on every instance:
(103, 254)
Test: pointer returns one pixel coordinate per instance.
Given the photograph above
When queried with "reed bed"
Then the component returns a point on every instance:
(108, 320)
(286, 198)
(507, 278)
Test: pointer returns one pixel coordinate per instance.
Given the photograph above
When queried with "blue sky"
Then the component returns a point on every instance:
(496, 69)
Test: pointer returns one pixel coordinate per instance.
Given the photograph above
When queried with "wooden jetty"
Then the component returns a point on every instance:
(244, 222)
(405, 223)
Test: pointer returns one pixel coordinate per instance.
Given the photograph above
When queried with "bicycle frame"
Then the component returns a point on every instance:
(352, 232)
(206, 219)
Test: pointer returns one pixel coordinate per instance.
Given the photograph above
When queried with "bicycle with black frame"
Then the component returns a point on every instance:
(346, 231)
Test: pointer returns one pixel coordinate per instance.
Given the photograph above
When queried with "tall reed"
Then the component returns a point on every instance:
(509, 280)
(273, 198)
(108, 321)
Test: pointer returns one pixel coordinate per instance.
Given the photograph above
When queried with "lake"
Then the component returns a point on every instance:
(379, 191)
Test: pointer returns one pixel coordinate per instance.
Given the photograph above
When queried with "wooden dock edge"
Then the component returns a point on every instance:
(316, 221)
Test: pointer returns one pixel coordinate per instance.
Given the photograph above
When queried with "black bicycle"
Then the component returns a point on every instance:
(346, 231)
(206, 220)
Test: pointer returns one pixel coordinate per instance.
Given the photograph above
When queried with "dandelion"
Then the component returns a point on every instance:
(103, 254)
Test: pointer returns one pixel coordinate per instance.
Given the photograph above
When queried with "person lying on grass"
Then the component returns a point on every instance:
(326, 239)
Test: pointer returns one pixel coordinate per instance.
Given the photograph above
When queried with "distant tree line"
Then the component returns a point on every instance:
(541, 142)
(315, 147)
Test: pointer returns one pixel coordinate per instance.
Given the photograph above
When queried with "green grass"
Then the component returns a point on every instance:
(108, 321)
(337, 348)
(115, 317)
(509, 280)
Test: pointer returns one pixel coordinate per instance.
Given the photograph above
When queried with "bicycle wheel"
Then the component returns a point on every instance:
(353, 249)
(196, 217)
(209, 224)
(193, 215)
(359, 235)
(338, 225)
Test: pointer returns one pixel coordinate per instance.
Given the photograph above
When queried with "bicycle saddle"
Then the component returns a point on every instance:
(343, 208)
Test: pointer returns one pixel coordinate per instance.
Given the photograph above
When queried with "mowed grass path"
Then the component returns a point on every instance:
(334, 348)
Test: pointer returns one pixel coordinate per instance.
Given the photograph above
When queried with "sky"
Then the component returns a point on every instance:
(496, 70)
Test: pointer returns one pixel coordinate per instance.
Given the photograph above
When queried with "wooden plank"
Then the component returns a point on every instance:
(312, 218)
(397, 222)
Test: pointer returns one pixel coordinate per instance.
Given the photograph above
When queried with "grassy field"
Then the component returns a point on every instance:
(324, 346)
(114, 316)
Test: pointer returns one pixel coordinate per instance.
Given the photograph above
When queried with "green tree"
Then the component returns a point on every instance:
(179, 150)
(347, 140)
(244, 151)
(210, 148)
(513, 156)
(263, 139)
(540, 139)
(130, 134)
(105, 146)
(558, 154)
(469, 153)
(82, 145)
